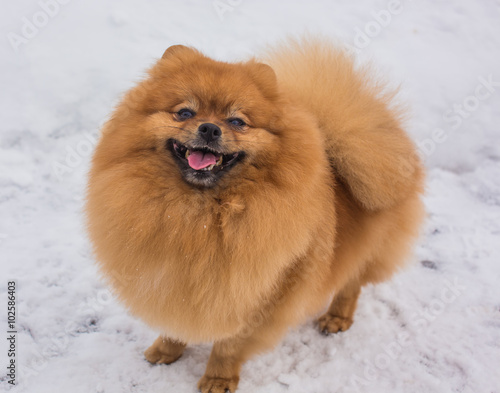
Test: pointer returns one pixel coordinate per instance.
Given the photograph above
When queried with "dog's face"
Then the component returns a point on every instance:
(209, 117)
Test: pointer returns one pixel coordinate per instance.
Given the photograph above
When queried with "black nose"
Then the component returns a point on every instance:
(209, 131)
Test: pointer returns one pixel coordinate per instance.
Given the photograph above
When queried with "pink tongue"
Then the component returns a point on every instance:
(199, 160)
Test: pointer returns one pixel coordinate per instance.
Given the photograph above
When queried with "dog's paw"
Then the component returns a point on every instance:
(333, 324)
(155, 356)
(217, 385)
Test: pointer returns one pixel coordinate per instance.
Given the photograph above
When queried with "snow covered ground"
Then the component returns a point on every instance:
(434, 328)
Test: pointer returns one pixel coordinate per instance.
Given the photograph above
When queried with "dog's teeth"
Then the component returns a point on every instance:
(188, 153)
(219, 161)
(208, 168)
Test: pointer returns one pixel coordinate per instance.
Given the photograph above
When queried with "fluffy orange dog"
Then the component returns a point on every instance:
(228, 202)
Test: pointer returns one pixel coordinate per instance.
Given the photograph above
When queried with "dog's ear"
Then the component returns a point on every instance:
(176, 51)
(265, 77)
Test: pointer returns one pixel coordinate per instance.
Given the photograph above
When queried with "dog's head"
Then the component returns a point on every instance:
(204, 116)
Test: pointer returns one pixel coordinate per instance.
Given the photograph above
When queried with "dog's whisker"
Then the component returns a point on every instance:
(248, 142)
(158, 127)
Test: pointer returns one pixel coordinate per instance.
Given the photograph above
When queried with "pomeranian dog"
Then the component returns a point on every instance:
(228, 202)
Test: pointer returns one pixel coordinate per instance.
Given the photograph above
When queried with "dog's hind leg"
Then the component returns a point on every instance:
(339, 316)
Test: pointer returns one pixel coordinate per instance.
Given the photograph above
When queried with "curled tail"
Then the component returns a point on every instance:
(364, 138)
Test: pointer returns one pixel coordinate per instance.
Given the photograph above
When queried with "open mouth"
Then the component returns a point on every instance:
(201, 162)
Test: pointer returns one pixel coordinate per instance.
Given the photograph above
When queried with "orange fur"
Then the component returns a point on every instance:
(325, 200)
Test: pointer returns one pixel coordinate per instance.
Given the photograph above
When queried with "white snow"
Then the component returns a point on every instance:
(433, 328)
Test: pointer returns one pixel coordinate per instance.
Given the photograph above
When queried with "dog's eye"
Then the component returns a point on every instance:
(236, 122)
(185, 114)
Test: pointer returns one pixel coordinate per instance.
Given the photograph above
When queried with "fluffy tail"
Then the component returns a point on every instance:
(365, 142)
